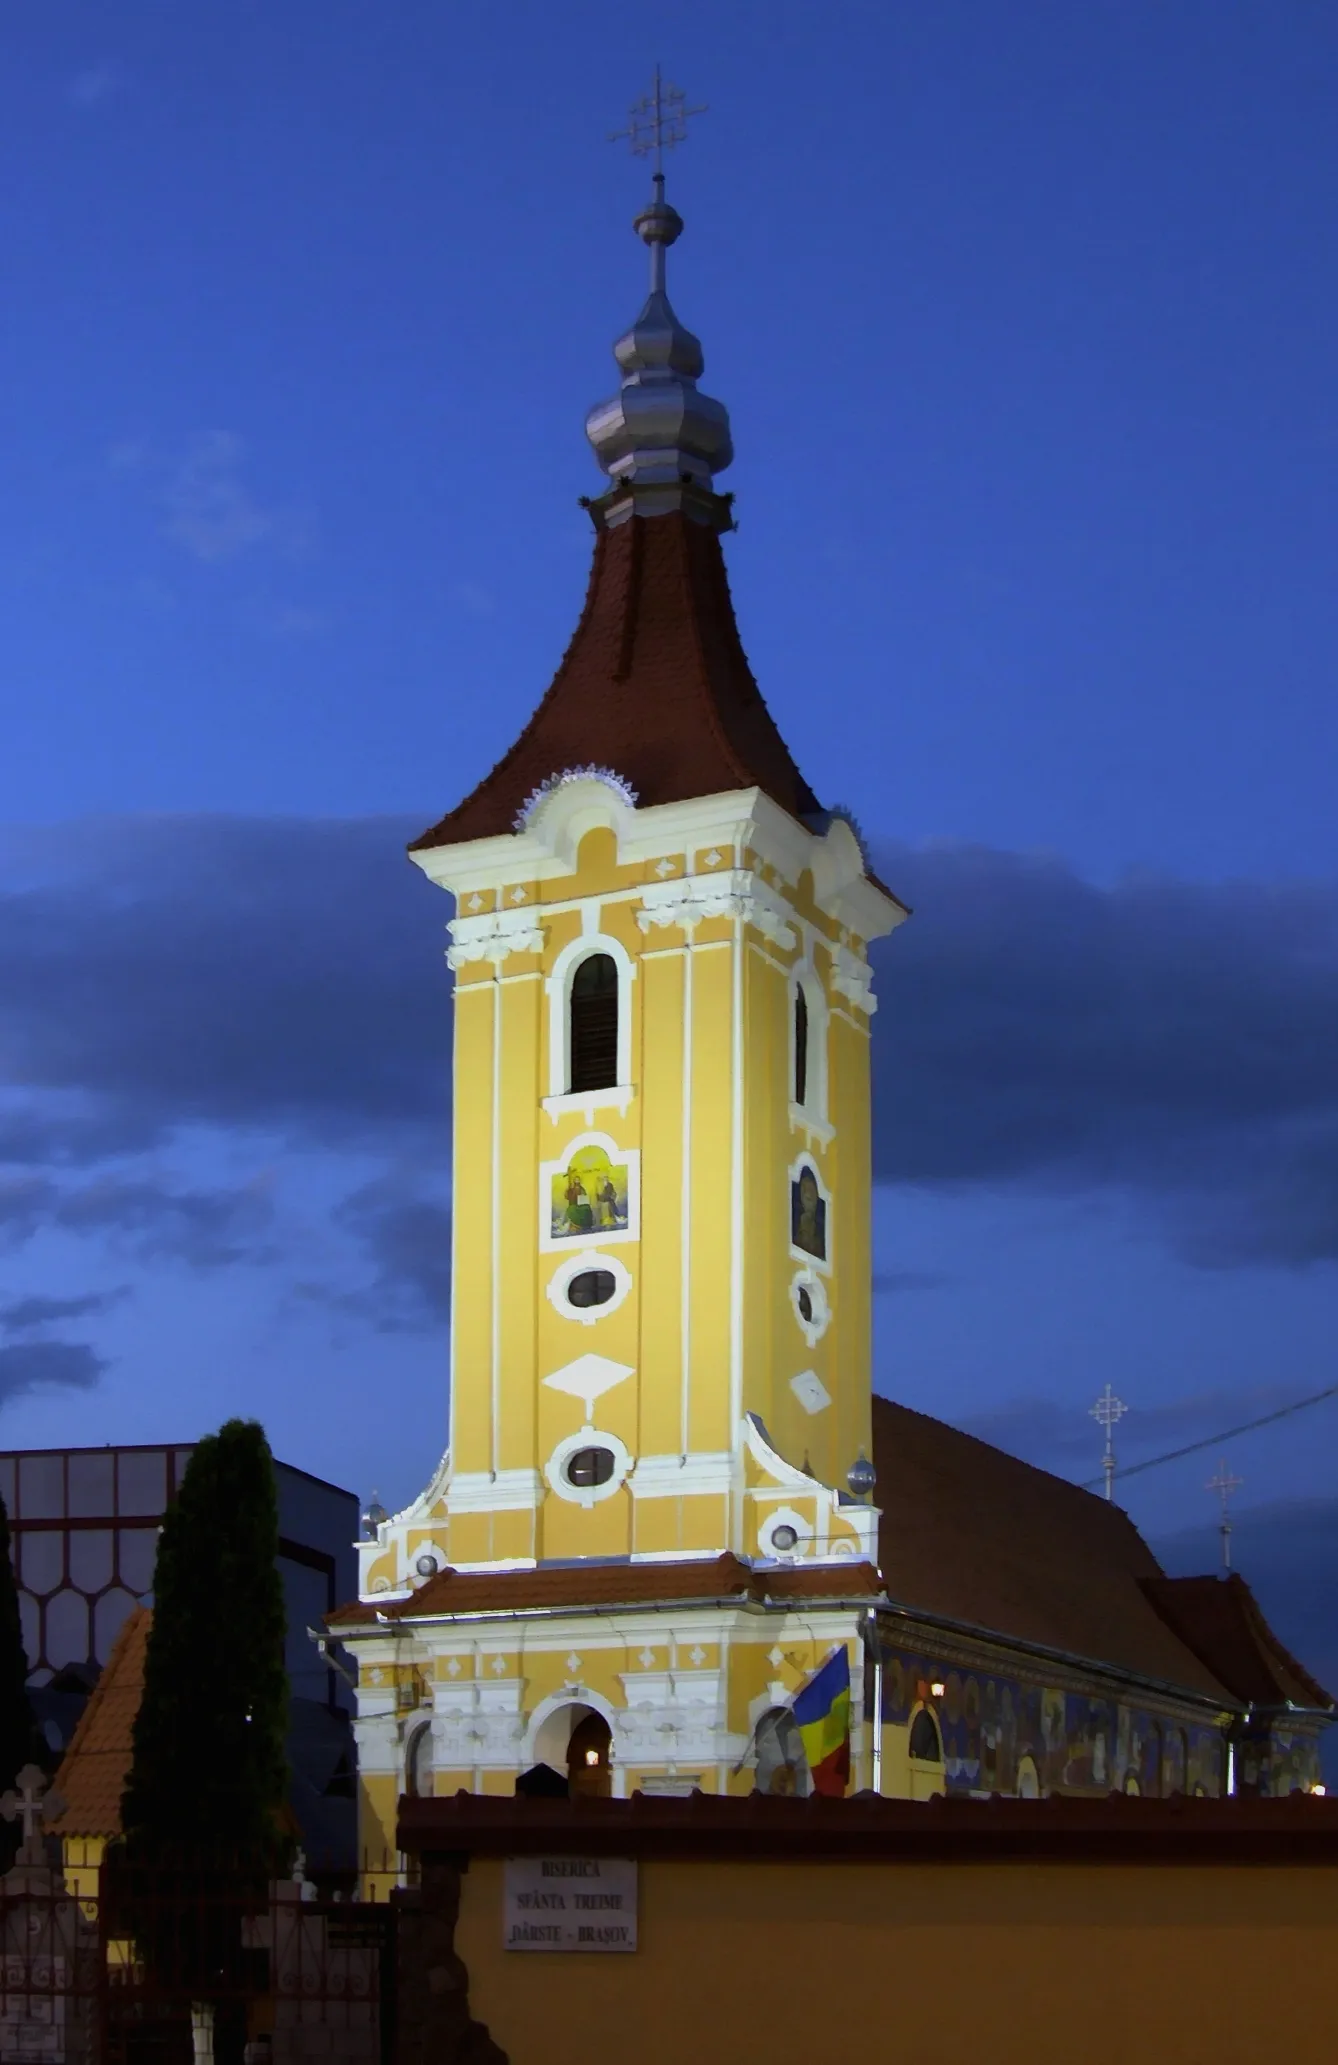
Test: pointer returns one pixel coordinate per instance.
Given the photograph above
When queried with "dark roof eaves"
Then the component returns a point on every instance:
(1124, 1674)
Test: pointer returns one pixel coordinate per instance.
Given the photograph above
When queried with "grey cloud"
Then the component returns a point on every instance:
(163, 1222)
(42, 1365)
(154, 1218)
(26, 1315)
(406, 1235)
(1179, 1040)
(225, 972)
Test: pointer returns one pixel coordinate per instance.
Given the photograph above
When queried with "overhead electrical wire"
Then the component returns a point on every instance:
(1191, 1448)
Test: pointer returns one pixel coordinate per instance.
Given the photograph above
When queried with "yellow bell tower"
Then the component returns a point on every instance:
(660, 1334)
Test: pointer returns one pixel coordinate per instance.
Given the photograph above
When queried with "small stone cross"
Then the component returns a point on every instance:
(31, 1804)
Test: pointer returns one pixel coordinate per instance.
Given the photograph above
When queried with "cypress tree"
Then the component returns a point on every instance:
(18, 1734)
(208, 1778)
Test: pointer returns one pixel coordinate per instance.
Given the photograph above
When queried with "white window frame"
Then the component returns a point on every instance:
(587, 1494)
(577, 1265)
(812, 1116)
(558, 983)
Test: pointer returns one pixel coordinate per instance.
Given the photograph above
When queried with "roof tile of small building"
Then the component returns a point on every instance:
(96, 1765)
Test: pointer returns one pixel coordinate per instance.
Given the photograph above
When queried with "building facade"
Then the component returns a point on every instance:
(656, 1514)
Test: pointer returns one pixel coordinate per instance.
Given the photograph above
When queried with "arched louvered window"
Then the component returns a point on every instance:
(800, 1045)
(593, 1048)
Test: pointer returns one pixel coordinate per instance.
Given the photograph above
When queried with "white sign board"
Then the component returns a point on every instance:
(569, 1903)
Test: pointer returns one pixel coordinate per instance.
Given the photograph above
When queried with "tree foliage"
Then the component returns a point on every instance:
(208, 1778)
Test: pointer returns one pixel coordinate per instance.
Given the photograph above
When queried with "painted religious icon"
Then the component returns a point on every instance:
(808, 1214)
(589, 1196)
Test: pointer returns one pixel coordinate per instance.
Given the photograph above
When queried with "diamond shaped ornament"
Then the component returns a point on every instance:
(588, 1378)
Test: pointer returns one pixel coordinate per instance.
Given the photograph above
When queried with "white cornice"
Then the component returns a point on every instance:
(732, 893)
(732, 820)
(665, 1477)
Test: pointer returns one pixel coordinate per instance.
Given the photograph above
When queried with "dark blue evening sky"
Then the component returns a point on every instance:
(1025, 314)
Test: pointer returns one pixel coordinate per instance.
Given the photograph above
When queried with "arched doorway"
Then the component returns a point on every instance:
(575, 1739)
(1028, 1780)
(590, 1758)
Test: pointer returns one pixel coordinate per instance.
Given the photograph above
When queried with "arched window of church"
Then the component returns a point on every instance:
(925, 1746)
(800, 1045)
(593, 1048)
(418, 1764)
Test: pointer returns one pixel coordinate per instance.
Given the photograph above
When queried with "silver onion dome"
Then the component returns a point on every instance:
(659, 431)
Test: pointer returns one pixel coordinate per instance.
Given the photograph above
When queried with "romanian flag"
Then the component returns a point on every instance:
(822, 1714)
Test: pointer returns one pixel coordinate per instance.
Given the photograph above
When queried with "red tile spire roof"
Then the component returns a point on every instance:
(655, 685)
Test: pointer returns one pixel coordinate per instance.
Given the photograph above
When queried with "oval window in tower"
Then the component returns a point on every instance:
(591, 1287)
(593, 1031)
(589, 1467)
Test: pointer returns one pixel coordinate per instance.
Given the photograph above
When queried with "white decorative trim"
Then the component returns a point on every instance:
(572, 1694)
(685, 1215)
(690, 1476)
(811, 1115)
(558, 984)
(586, 1494)
(737, 1214)
(735, 893)
(731, 821)
(412, 1552)
(786, 1475)
(852, 977)
(491, 1563)
(807, 1279)
(494, 936)
(811, 1392)
(501, 1491)
(616, 1097)
(588, 1378)
(598, 1236)
(785, 1516)
(622, 789)
(802, 1255)
(495, 1240)
(577, 1265)
(815, 1132)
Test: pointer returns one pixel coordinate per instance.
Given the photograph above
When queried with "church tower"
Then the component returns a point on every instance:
(653, 1516)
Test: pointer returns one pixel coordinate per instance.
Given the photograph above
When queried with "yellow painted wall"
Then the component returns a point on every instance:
(699, 1001)
(1040, 1964)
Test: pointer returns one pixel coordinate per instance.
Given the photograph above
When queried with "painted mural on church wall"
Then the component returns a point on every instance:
(808, 1214)
(991, 1726)
(590, 1195)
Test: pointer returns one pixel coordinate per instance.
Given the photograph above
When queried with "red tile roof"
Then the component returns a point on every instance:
(757, 1827)
(614, 1585)
(655, 685)
(979, 1537)
(96, 1765)
(1219, 1618)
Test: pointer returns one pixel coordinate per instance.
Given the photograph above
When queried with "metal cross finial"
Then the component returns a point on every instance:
(1106, 1412)
(657, 122)
(1224, 1484)
(31, 1804)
